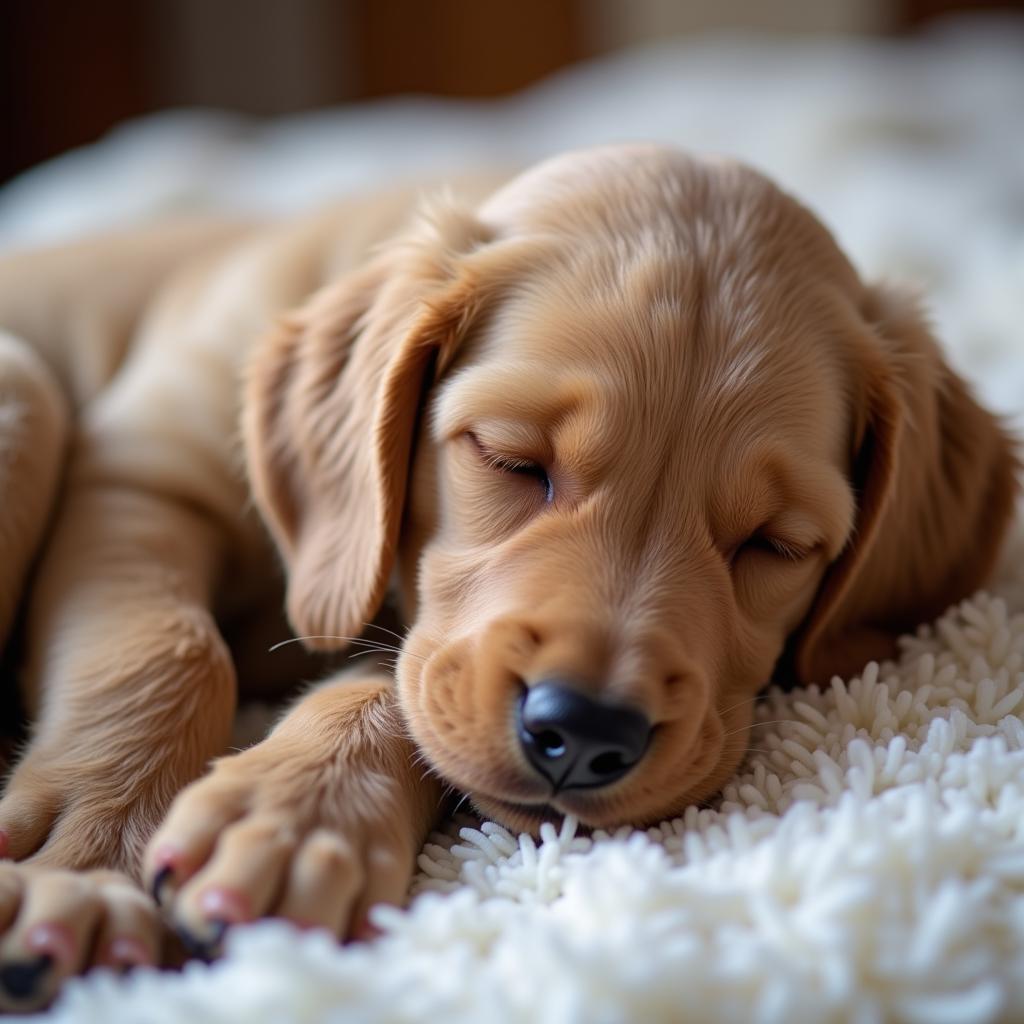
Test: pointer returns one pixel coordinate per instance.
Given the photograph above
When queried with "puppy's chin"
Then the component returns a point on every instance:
(515, 817)
(590, 812)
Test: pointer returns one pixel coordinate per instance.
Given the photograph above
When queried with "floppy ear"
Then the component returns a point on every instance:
(935, 480)
(330, 409)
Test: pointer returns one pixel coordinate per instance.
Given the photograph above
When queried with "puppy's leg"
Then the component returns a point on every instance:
(128, 680)
(315, 824)
(33, 432)
(133, 692)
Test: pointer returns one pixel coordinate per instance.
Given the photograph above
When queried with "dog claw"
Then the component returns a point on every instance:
(203, 948)
(160, 879)
(20, 979)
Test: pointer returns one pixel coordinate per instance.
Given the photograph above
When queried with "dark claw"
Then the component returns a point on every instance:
(203, 948)
(20, 979)
(160, 879)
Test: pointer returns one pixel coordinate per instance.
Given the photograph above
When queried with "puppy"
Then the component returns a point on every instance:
(627, 435)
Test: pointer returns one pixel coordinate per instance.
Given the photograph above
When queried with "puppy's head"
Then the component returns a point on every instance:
(630, 433)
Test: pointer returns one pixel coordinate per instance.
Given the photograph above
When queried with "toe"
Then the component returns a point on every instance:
(186, 839)
(388, 873)
(240, 882)
(129, 934)
(50, 937)
(324, 879)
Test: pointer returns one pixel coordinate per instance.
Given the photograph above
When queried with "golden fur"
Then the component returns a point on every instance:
(754, 460)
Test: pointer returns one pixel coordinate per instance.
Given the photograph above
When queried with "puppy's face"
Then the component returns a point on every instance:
(666, 433)
(628, 488)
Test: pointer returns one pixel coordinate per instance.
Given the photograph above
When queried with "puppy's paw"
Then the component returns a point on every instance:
(54, 924)
(275, 833)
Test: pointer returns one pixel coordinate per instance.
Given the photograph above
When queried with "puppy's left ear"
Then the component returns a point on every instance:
(330, 414)
(935, 477)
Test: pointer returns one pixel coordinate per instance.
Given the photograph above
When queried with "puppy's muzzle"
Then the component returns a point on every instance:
(576, 741)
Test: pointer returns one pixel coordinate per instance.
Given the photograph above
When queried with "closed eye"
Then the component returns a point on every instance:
(768, 544)
(514, 465)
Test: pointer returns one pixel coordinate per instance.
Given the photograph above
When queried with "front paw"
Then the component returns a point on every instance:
(279, 833)
(54, 924)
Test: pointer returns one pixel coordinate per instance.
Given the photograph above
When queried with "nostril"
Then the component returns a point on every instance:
(611, 763)
(551, 744)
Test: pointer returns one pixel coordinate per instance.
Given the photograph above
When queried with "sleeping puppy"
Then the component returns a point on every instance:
(626, 435)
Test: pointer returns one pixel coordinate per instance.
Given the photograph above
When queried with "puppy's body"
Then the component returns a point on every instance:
(667, 432)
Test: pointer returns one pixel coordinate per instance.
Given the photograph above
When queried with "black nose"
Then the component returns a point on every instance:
(576, 741)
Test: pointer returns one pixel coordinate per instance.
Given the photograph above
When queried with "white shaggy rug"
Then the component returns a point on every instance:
(867, 863)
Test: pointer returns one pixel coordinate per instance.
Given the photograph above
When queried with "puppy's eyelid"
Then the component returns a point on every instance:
(513, 464)
(786, 550)
(760, 540)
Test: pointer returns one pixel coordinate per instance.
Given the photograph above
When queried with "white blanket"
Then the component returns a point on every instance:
(867, 862)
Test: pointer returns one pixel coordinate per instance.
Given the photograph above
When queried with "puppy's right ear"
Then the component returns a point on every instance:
(329, 418)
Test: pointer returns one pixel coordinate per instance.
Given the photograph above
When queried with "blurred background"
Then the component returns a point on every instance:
(73, 70)
(900, 122)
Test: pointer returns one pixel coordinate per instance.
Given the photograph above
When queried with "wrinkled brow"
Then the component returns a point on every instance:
(515, 393)
(809, 498)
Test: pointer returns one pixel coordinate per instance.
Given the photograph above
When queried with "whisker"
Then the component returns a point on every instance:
(370, 645)
(739, 704)
(372, 650)
(313, 636)
(757, 725)
(328, 636)
(388, 649)
(384, 629)
(376, 645)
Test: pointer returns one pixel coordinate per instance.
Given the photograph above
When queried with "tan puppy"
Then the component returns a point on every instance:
(628, 435)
